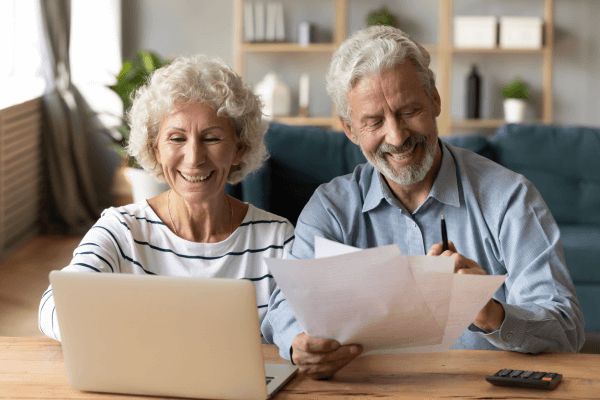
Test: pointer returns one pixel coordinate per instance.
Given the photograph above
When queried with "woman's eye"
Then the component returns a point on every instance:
(211, 140)
(176, 139)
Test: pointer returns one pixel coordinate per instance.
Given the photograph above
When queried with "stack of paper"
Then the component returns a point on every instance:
(381, 299)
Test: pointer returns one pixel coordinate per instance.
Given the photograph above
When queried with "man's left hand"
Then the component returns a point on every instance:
(491, 316)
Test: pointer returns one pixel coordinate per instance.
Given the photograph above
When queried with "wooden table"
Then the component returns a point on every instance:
(33, 368)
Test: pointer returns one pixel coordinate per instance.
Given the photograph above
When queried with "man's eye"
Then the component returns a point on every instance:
(376, 123)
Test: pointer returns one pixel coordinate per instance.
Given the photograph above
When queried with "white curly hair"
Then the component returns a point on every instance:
(189, 79)
(373, 51)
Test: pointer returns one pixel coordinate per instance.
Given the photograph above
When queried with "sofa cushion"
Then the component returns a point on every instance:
(588, 296)
(562, 163)
(581, 244)
(477, 144)
(301, 159)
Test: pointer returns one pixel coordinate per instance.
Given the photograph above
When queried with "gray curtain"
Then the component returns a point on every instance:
(71, 202)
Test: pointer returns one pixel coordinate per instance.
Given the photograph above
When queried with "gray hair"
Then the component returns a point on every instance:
(373, 51)
(196, 79)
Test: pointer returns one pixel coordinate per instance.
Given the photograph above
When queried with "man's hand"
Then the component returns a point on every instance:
(491, 316)
(320, 358)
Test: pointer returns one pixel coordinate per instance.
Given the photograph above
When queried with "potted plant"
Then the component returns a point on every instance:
(515, 94)
(134, 73)
(381, 17)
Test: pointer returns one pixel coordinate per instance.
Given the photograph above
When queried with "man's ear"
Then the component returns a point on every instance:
(437, 102)
(348, 132)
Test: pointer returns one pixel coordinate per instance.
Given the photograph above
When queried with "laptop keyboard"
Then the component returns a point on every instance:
(269, 379)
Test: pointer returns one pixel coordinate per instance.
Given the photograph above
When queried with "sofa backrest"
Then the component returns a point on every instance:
(563, 162)
(301, 159)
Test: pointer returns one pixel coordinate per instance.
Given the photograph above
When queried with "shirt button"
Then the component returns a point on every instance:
(414, 225)
(509, 336)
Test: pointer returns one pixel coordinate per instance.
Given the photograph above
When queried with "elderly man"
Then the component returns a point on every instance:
(497, 222)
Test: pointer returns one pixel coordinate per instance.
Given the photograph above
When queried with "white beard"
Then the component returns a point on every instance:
(410, 174)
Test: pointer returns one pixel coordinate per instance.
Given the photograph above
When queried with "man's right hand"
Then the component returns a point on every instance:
(320, 358)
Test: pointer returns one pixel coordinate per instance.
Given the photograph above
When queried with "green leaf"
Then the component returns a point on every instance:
(381, 17)
(515, 89)
(134, 73)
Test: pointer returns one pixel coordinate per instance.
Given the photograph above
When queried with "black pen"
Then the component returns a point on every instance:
(444, 235)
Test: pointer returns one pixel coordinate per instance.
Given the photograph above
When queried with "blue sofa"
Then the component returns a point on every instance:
(562, 162)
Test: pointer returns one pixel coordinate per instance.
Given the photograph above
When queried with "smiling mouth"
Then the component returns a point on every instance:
(404, 154)
(196, 178)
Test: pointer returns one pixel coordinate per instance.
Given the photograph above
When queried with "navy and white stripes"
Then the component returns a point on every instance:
(132, 239)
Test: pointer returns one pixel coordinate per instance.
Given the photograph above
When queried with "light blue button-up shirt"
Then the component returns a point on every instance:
(493, 216)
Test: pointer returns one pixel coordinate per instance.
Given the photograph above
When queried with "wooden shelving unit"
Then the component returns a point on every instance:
(444, 52)
(241, 49)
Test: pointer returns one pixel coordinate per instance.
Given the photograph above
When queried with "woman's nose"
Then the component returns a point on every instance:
(195, 153)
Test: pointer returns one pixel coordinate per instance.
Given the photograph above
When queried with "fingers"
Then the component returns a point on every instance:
(436, 250)
(303, 342)
(463, 265)
(320, 358)
(327, 369)
(325, 365)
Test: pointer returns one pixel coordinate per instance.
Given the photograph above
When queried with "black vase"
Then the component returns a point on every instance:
(474, 94)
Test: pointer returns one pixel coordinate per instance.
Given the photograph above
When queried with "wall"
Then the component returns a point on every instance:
(205, 26)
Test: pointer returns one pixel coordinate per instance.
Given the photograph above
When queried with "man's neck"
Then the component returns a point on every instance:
(412, 196)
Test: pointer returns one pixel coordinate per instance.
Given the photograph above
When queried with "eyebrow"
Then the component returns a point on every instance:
(174, 127)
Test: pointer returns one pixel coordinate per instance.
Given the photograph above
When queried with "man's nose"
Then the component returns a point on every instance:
(397, 132)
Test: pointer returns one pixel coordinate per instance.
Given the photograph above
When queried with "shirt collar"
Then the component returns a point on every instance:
(445, 186)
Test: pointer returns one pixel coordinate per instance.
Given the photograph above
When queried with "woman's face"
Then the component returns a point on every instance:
(196, 149)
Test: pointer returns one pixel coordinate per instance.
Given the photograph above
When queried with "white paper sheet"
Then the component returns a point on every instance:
(385, 301)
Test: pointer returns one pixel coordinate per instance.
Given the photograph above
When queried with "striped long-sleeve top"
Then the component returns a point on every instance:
(132, 239)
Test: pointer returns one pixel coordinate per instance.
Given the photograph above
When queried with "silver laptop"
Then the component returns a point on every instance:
(163, 336)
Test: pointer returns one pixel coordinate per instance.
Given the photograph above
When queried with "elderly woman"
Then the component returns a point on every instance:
(196, 126)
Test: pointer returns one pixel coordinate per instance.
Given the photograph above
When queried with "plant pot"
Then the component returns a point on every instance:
(514, 110)
(143, 185)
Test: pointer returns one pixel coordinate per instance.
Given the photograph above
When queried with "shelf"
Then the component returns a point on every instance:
(287, 47)
(476, 123)
(498, 50)
(309, 121)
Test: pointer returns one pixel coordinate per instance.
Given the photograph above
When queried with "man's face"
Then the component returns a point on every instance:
(393, 121)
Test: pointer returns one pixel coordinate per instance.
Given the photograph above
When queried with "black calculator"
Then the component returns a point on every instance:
(525, 379)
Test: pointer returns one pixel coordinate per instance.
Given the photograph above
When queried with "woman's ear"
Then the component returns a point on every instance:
(156, 152)
(241, 150)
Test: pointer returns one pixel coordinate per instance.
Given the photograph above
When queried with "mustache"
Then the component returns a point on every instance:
(408, 144)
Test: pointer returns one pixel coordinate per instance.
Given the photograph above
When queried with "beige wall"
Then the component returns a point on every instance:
(173, 27)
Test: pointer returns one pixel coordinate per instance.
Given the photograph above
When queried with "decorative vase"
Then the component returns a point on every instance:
(143, 185)
(474, 94)
(275, 95)
(514, 110)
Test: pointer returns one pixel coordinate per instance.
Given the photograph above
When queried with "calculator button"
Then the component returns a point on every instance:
(538, 375)
(504, 372)
(526, 374)
(550, 375)
(516, 373)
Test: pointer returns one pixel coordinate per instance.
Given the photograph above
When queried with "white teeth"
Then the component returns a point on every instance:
(195, 178)
(401, 156)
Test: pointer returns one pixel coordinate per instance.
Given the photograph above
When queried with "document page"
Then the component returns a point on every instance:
(381, 299)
